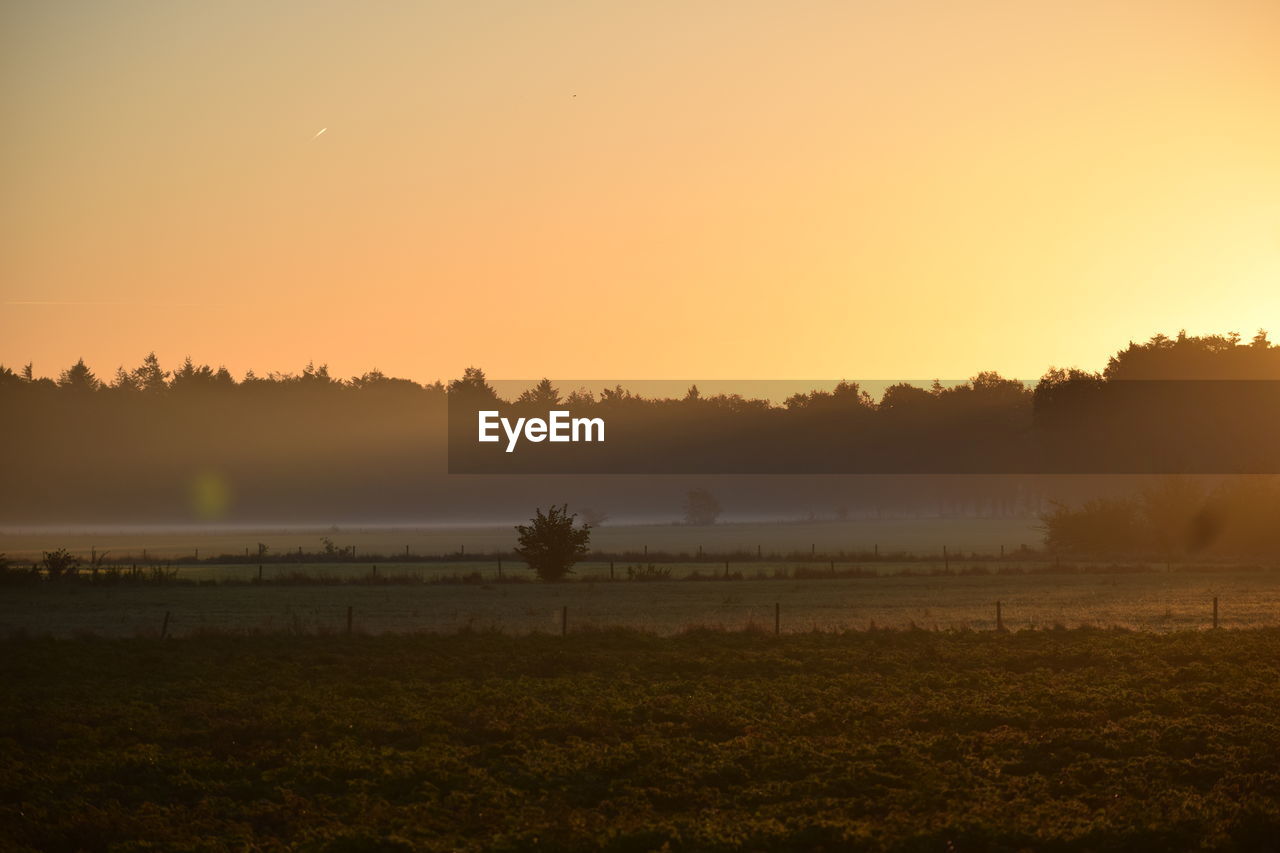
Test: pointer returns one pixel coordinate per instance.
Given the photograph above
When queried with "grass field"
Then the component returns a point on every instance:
(1062, 740)
(920, 536)
(1145, 600)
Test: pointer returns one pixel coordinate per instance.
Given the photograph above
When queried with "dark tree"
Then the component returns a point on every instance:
(701, 507)
(78, 377)
(543, 395)
(60, 563)
(550, 543)
(593, 517)
(149, 376)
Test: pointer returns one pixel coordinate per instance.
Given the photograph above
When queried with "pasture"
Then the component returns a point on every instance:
(1148, 600)
(911, 535)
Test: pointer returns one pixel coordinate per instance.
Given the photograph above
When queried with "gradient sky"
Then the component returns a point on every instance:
(657, 189)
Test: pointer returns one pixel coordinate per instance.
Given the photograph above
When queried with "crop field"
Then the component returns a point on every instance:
(1160, 600)
(614, 740)
(918, 536)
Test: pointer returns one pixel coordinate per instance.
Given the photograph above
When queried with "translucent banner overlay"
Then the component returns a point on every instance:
(1074, 424)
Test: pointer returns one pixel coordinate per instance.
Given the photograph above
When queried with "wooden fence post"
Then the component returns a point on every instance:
(164, 627)
(946, 559)
(611, 570)
(259, 572)
(999, 617)
(1215, 611)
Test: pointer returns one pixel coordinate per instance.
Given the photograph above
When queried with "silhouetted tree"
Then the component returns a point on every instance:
(701, 507)
(472, 386)
(59, 564)
(1099, 526)
(544, 395)
(149, 376)
(594, 517)
(78, 377)
(550, 543)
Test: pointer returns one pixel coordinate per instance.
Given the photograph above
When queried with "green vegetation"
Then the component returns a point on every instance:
(550, 544)
(1086, 739)
(1181, 517)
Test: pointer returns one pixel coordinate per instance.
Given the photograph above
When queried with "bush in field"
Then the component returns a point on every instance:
(1177, 517)
(648, 573)
(550, 543)
(9, 573)
(60, 563)
(701, 507)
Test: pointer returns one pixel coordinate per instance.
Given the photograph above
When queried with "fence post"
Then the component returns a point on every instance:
(999, 617)
(726, 569)
(375, 570)
(348, 620)
(259, 572)
(1215, 611)
(564, 620)
(877, 550)
(164, 628)
(611, 570)
(758, 552)
(777, 618)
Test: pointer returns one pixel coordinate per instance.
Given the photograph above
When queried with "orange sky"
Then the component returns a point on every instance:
(658, 189)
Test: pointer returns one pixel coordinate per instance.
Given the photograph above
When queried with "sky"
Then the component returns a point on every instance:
(643, 190)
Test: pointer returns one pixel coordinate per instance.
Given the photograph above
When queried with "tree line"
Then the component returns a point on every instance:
(147, 441)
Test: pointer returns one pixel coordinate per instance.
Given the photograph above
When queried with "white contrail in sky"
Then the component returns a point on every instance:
(318, 132)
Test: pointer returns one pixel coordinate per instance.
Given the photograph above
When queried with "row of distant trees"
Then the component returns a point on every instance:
(151, 378)
(1179, 517)
(1185, 357)
(150, 442)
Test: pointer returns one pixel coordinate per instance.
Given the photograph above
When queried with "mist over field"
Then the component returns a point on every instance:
(195, 446)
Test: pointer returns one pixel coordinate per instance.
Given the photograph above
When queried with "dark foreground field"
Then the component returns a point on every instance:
(1084, 739)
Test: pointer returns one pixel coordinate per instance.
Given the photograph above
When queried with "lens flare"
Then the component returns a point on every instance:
(210, 496)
